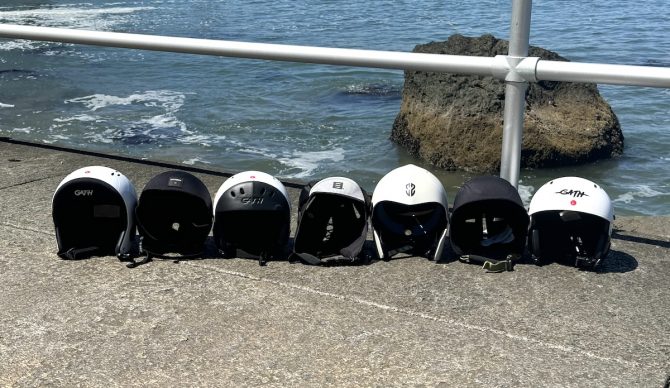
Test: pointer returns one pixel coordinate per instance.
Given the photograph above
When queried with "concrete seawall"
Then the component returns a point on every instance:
(230, 322)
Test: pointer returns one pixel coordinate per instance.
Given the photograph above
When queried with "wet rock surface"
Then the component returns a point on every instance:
(455, 121)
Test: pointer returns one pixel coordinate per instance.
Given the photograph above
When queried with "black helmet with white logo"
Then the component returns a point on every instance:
(174, 214)
(252, 216)
(92, 211)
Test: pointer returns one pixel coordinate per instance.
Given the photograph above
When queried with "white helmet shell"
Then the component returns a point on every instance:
(572, 194)
(118, 182)
(409, 186)
(110, 176)
(251, 176)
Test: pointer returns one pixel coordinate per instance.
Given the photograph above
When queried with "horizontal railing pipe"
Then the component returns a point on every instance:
(278, 52)
(603, 74)
(459, 64)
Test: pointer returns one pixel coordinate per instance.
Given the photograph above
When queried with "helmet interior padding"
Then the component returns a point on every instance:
(330, 223)
(566, 235)
(410, 228)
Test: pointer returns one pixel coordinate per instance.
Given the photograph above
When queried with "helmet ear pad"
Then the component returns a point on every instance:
(379, 245)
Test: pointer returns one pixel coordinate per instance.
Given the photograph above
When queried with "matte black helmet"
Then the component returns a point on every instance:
(174, 214)
(488, 219)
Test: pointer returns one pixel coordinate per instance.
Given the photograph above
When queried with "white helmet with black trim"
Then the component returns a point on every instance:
(332, 221)
(570, 218)
(252, 216)
(93, 213)
(409, 213)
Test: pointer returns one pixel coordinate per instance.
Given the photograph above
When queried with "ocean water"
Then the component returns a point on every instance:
(304, 121)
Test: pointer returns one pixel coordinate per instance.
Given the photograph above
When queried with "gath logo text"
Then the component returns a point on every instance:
(574, 193)
(83, 193)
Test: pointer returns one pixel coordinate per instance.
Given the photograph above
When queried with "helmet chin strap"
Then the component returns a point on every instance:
(581, 255)
(76, 253)
(420, 224)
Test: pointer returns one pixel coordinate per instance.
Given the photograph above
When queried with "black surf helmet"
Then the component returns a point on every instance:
(488, 219)
(174, 214)
(252, 216)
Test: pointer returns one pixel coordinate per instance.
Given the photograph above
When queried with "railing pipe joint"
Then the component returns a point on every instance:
(514, 69)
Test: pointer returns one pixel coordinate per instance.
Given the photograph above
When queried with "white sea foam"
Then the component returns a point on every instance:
(168, 99)
(72, 17)
(526, 193)
(146, 103)
(17, 45)
(202, 139)
(55, 138)
(6, 105)
(308, 162)
(82, 118)
(23, 130)
(640, 191)
(193, 161)
(100, 19)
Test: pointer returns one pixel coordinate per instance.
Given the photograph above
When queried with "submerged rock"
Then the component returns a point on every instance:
(455, 121)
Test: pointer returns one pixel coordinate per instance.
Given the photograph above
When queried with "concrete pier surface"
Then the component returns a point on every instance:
(231, 322)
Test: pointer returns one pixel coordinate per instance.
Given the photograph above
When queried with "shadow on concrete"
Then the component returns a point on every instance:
(211, 251)
(617, 262)
(641, 240)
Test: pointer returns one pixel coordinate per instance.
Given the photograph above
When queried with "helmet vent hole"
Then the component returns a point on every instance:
(232, 194)
(241, 191)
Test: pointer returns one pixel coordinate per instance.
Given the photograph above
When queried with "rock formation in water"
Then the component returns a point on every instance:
(455, 121)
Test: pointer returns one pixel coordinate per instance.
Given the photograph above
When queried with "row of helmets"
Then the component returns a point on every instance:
(96, 211)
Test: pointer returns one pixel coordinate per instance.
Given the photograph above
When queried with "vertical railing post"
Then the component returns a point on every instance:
(515, 94)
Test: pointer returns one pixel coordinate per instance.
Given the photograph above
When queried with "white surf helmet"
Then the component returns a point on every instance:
(409, 213)
(571, 218)
(252, 216)
(93, 213)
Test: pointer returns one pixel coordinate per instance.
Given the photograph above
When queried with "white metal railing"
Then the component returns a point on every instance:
(516, 68)
(540, 70)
